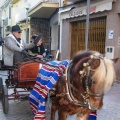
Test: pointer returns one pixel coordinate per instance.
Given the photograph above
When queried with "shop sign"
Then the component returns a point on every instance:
(94, 8)
(82, 12)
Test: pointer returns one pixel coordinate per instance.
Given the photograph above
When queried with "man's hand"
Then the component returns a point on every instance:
(39, 56)
(24, 52)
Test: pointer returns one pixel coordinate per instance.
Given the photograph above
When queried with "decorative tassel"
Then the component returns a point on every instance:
(91, 56)
(85, 64)
(80, 72)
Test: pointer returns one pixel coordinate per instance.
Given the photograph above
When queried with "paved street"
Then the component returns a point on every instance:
(111, 108)
(20, 110)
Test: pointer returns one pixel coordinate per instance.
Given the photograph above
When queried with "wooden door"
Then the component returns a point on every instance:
(97, 35)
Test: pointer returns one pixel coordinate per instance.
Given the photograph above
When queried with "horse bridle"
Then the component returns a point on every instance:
(84, 73)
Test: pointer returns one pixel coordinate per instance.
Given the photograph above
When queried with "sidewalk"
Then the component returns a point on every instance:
(111, 106)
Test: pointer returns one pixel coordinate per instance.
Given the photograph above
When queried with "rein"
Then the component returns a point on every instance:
(44, 62)
(69, 92)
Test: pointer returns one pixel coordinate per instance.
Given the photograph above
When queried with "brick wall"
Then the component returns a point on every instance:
(41, 26)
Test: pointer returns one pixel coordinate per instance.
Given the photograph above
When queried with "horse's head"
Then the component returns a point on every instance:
(93, 75)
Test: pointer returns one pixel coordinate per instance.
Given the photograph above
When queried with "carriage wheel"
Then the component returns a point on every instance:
(5, 99)
(1, 86)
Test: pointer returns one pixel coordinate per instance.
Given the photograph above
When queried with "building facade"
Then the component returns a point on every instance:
(104, 30)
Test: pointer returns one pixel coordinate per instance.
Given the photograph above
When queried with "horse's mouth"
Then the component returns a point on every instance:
(92, 107)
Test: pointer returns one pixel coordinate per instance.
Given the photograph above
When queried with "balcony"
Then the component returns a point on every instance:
(44, 9)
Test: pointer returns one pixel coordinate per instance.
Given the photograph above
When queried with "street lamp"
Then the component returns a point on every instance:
(3, 18)
(27, 7)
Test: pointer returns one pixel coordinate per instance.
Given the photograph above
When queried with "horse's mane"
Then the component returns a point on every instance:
(78, 56)
(105, 73)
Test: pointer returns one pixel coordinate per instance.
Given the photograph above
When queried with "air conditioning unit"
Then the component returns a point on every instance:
(109, 52)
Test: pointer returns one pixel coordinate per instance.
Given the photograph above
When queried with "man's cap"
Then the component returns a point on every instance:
(16, 28)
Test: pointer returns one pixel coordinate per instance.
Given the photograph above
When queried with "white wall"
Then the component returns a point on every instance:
(54, 31)
(54, 34)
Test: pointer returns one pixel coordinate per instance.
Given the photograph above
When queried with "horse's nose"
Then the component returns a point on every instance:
(96, 104)
(95, 107)
(92, 107)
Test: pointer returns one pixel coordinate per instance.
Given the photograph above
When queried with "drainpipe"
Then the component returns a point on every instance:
(50, 40)
(59, 28)
(87, 25)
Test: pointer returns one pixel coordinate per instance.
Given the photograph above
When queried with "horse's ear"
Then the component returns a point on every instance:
(115, 59)
(95, 63)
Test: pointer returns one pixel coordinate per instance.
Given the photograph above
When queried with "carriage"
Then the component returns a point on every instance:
(20, 79)
(21, 76)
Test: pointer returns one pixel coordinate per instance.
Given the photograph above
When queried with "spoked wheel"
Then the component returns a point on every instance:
(5, 99)
(1, 87)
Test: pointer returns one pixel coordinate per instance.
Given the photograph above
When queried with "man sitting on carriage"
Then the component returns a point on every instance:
(14, 49)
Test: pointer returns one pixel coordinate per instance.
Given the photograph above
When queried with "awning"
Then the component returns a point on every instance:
(43, 10)
(94, 8)
(65, 10)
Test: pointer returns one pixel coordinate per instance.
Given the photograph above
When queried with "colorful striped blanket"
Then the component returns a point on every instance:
(46, 79)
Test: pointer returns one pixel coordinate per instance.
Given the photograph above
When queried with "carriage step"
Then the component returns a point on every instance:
(23, 97)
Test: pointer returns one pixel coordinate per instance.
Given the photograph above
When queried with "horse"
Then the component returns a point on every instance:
(81, 89)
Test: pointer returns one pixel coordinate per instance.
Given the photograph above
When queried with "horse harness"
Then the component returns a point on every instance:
(87, 83)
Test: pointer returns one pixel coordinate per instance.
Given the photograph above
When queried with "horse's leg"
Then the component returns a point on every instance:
(53, 110)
